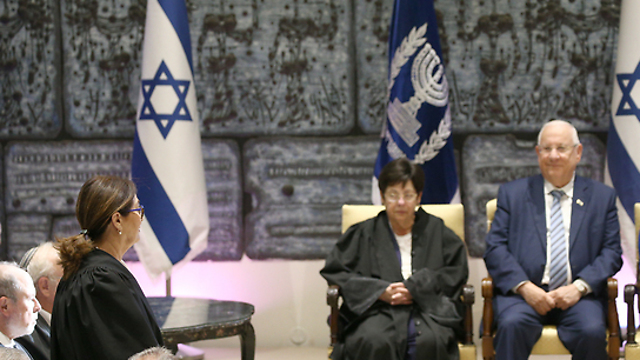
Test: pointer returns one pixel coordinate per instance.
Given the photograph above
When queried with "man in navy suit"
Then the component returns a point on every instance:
(535, 216)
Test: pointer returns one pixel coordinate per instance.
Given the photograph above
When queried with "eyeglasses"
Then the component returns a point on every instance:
(562, 149)
(394, 196)
(140, 209)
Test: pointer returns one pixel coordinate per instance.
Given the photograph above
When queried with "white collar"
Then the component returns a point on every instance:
(5, 341)
(567, 189)
(45, 315)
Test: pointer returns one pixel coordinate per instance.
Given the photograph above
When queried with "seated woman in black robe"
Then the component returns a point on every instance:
(400, 274)
(99, 311)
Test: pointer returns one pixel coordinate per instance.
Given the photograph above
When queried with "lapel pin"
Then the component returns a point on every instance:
(579, 202)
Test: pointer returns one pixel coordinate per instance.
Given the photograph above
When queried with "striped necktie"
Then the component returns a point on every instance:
(558, 246)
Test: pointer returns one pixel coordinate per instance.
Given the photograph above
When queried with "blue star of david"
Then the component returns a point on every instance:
(627, 105)
(163, 77)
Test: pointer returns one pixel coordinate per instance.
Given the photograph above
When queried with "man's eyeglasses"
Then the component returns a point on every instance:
(562, 149)
(394, 196)
(140, 211)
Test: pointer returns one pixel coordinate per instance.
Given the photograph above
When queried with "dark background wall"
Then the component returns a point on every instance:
(291, 95)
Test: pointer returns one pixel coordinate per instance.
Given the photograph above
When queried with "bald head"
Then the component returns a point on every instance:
(18, 304)
(12, 280)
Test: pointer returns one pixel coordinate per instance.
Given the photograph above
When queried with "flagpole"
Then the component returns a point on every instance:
(168, 283)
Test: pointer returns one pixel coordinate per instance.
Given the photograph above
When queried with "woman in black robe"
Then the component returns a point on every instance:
(99, 311)
(400, 274)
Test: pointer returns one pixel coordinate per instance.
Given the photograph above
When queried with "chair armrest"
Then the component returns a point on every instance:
(629, 296)
(468, 298)
(612, 319)
(487, 319)
(333, 294)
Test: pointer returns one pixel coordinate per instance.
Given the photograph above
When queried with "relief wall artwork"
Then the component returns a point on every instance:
(291, 95)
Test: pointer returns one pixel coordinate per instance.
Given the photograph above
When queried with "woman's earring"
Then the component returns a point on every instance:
(119, 232)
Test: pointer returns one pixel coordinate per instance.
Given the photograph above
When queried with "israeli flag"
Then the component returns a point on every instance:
(623, 143)
(167, 162)
(418, 123)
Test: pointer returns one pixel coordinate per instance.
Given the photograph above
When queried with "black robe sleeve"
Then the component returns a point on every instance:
(349, 265)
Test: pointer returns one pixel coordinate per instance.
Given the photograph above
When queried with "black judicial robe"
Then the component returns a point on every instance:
(101, 313)
(365, 261)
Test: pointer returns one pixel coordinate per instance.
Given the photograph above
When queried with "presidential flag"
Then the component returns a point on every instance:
(167, 162)
(418, 124)
(623, 143)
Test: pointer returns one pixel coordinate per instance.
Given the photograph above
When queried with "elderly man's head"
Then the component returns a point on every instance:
(559, 151)
(43, 264)
(18, 304)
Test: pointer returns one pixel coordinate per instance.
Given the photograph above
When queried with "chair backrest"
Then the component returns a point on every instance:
(491, 212)
(451, 214)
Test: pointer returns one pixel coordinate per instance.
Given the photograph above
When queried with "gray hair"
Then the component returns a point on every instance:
(37, 262)
(154, 353)
(574, 131)
(9, 284)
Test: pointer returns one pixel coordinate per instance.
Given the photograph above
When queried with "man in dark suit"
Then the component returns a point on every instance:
(18, 305)
(43, 265)
(553, 243)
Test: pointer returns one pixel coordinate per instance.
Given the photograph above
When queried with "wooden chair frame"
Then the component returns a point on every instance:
(630, 290)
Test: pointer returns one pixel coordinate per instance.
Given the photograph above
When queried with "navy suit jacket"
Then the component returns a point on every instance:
(517, 242)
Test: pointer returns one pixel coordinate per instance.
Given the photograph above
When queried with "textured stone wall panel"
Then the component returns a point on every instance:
(492, 160)
(43, 181)
(64, 226)
(260, 66)
(372, 19)
(511, 66)
(102, 54)
(29, 75)
(224, 188)
(45, 177)
(25, 231)
(298, 187)
(273, 66)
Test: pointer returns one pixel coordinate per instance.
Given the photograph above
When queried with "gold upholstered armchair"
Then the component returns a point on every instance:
(632, 348)
(453, 217)
(549, 342)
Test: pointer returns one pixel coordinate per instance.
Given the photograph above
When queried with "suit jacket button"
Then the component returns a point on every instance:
(417, 322)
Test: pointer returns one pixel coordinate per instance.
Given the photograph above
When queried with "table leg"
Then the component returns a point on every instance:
(248, 342)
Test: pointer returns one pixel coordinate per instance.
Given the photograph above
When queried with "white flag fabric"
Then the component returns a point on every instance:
(623, 143)
(167, 164)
